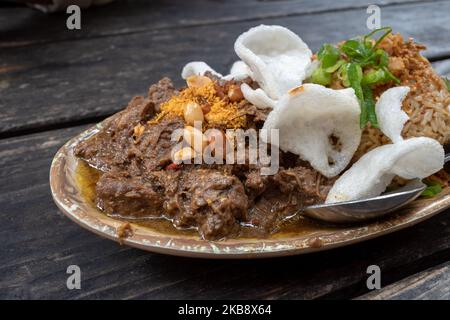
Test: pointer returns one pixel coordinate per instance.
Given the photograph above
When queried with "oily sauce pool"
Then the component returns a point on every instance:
(87, 177)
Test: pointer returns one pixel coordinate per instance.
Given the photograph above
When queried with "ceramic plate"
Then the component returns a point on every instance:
(69, 199)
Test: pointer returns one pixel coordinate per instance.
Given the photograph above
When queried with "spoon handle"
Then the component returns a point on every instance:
(447, 158)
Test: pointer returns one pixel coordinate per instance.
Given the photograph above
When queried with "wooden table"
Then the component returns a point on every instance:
(54, 83)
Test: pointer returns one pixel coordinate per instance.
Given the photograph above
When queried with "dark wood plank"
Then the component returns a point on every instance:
(24, 27)
(443, 67)
(38, 243)
(59, 83)
(431, 284)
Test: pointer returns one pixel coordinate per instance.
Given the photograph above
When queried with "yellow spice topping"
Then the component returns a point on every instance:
(221, 113)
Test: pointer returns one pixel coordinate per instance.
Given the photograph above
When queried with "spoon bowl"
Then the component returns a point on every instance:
(371, 208)
(366, 209)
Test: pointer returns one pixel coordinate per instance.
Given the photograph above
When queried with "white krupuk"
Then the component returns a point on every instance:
(370, 175)
(311, 68)
(277, 57)
(239, 71)
(309, 116)
(257, 97)
(409, 159)
(197, 68)
(391, 117)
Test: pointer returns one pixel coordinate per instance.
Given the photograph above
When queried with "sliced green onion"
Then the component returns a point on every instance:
(355, 75)
(328, 55)
(342, 75)
(447, 83)
(433, 188)
(347, 63)
(321, 77)
(354, 49)
(374, 77)
(383, 58)
(370, 106)
(363, 118)
(336, 66)
(390, 76)
(384, 35)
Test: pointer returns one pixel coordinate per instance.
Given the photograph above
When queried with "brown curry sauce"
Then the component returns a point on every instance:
(87, 177)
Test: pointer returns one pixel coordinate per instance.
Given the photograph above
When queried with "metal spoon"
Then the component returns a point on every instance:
(365, 209)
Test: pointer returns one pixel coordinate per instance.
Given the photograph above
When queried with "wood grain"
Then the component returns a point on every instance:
(442, 67)
(29, 27)
(431, 284)
(72, 82)
(38, 243)
(52, 78)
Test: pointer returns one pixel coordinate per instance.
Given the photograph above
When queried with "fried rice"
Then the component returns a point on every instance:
(427, 103)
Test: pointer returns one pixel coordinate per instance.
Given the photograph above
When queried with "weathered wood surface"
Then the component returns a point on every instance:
(52, 78)
(442, 67)
(431, 284)
(39, 243)
(65, 82)
(26, 27)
